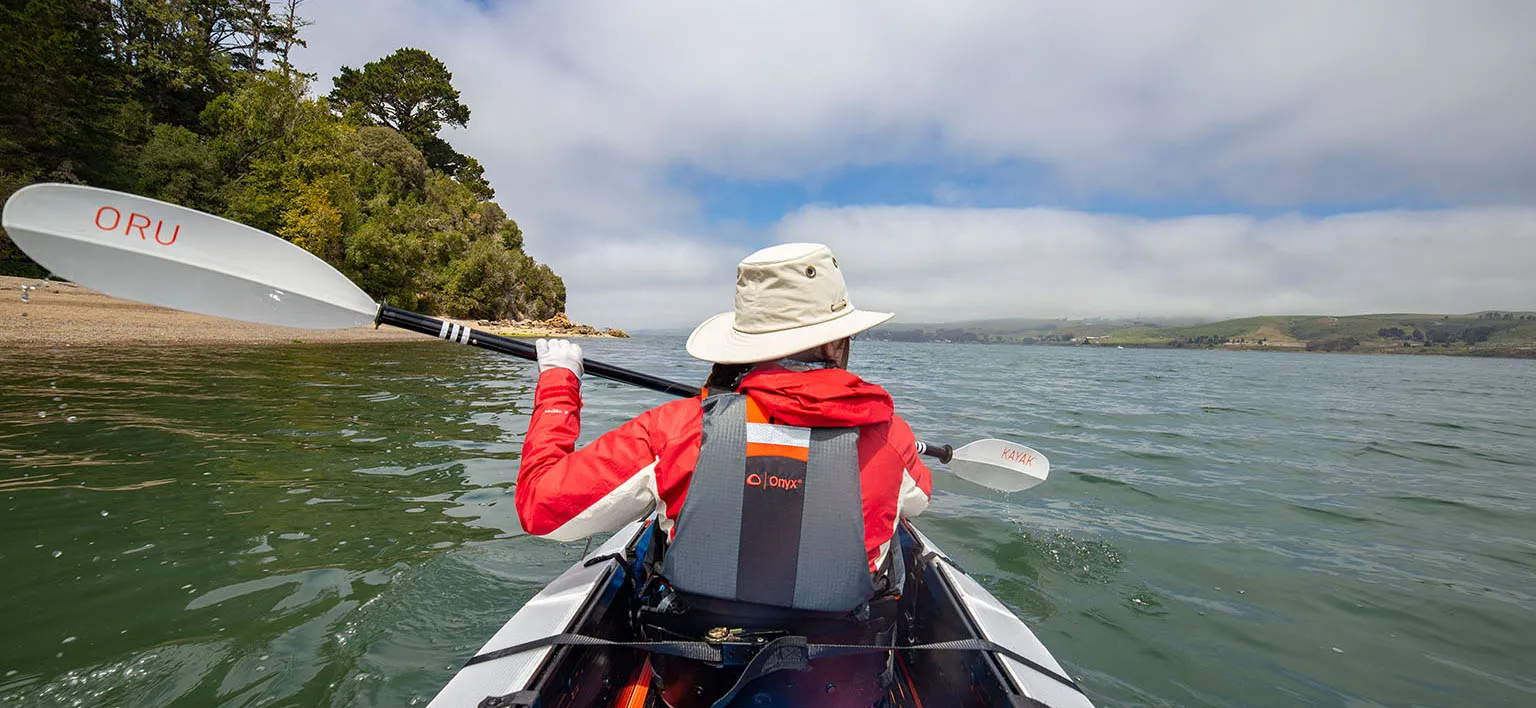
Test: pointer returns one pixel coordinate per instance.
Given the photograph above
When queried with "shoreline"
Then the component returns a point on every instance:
(65, 314)
(1479, 353)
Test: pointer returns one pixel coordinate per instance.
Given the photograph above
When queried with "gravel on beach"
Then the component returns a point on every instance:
(56, 313)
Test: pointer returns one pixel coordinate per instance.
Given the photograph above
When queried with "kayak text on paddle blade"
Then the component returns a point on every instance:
(1000, 465)
(146, 250)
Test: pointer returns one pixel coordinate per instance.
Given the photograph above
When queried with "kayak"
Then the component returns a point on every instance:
(572, 644)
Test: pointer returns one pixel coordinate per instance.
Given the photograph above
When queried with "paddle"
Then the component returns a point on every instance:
(992, 463)
(146, 250)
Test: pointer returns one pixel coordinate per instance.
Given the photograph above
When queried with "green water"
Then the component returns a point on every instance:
(306, 526)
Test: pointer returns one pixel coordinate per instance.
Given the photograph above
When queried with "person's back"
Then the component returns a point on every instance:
(647, 463)
(757, 481)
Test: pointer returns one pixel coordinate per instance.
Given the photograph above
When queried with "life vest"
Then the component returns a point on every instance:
(773, 515)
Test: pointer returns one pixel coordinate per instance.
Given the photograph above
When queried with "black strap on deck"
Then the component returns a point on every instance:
(698, 651)
(783, 654)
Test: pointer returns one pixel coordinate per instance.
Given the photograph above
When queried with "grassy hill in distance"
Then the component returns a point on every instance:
(1499, 333)
(1017, 329)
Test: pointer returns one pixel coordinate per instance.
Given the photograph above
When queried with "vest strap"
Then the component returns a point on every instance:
(833, 568)
(704, 552)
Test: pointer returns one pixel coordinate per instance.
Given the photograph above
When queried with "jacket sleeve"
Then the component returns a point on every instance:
(564, 494)
(916, 480)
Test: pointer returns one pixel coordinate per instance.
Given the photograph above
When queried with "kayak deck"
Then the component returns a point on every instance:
(939, 603)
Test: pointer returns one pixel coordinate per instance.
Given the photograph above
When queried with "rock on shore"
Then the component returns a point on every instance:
(557, 326)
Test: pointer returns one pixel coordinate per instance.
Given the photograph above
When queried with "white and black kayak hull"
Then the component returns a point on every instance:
(939, 603)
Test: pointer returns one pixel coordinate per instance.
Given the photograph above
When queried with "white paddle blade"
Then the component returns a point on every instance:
(147, 250)
(1000, 465)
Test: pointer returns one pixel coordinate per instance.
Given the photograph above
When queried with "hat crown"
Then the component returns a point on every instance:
(788, 286)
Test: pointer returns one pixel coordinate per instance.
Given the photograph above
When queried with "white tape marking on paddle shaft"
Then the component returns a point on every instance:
(454, 333)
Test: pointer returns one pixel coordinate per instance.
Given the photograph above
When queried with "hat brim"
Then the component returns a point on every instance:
(717, 340)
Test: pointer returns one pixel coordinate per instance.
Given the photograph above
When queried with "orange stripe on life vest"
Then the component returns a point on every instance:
(793, 452)
(755, 414)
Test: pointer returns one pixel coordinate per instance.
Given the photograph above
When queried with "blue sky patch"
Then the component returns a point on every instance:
(1014, 185)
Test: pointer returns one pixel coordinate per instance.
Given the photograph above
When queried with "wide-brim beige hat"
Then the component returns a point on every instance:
(789, 298)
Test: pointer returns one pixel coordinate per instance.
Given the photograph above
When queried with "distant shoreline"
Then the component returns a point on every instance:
(1490, 333)
(1495, 353)
(66, 314)
(1295, 348)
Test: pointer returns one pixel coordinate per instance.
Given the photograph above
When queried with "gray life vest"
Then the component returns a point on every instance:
(772, 529)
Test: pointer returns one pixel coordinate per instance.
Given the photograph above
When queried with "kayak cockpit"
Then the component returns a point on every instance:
(594, 611)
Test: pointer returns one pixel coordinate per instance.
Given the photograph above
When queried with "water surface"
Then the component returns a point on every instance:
(310, 525)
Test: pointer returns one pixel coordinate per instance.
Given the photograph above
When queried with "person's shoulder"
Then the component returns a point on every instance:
(678, 412)
(681, 404)
(900, 433)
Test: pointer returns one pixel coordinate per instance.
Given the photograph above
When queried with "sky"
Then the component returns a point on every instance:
(971, 160)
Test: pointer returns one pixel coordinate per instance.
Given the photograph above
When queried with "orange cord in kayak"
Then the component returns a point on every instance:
(638, 692)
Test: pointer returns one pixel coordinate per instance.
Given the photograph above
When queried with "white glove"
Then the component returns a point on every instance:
(561, 353)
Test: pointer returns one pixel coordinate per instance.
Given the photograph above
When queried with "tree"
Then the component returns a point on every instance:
(315, 221)
(412, 92)
(266, 113)
(472, 175)
(1473, 335)
(285, 35)
(398, 171)
(183, 54)
(67, 110)
(67, 113)
(170, 99)
(177, 166)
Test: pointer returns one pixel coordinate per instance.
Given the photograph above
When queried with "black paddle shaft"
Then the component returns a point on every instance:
(522, 349)
(405, 319)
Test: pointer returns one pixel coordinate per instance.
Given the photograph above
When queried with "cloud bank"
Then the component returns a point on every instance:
(935, 264)
(584, 112)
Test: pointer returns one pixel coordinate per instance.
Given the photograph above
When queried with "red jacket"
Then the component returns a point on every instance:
(646, 463)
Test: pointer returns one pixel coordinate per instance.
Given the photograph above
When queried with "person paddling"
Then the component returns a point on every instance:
(779, 489)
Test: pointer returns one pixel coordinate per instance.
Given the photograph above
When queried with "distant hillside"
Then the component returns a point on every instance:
(1481, 333)
(1008, 331)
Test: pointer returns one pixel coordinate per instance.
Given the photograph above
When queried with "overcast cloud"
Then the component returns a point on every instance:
(1047, 263)
(1416, 115)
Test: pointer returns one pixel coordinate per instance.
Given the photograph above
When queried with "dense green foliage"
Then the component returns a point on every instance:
(195, 102)
(412, 92)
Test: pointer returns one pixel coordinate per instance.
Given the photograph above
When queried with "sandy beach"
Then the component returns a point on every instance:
(56, 313)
